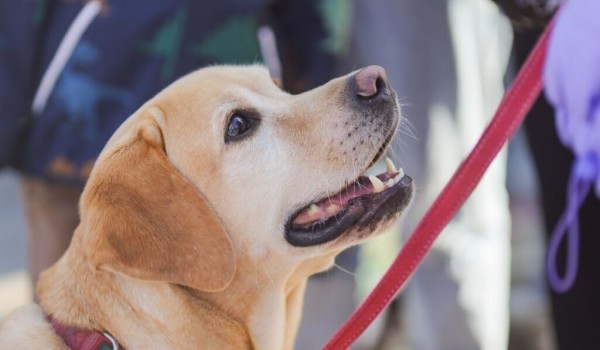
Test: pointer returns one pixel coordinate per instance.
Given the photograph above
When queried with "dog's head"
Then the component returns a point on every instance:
(224, 164)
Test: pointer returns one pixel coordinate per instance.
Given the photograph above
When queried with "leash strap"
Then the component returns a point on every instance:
(510, 114)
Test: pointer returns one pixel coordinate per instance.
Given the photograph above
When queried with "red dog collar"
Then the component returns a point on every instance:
(79, 339)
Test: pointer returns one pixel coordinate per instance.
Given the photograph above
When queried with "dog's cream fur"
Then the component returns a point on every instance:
(181, 240)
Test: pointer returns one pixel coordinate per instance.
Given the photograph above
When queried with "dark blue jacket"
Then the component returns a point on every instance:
(128, 52)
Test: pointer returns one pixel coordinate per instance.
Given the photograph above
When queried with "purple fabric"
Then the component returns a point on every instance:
(572, 85)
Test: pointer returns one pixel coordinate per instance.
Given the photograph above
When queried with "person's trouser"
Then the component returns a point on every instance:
(52, 215)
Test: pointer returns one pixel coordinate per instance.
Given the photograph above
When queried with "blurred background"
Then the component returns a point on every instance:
(483, 285)
(15, 287)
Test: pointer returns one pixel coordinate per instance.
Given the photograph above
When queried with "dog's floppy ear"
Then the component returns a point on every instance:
(142, 218)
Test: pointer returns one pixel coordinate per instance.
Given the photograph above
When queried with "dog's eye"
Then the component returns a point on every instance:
(238, 126)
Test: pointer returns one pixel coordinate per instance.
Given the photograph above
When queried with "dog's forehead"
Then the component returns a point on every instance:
(231, 76)
(208, 94)
(251, 87)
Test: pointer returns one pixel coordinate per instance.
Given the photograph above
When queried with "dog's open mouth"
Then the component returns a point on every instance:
(365, 202)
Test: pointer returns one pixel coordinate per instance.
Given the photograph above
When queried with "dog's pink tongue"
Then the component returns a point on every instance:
(331, 206)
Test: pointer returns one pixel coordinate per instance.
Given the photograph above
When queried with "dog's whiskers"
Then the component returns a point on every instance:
(335, 264)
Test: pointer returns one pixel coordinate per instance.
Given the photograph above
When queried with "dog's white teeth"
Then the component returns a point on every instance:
(313, 209)
(399, 175)
(333, 209)
(390, 183)
(391, 168)
(377, 184)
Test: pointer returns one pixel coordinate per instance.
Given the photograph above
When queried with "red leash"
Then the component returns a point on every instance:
(510, 114)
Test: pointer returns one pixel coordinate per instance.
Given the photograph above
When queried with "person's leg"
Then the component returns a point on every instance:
(52, 215)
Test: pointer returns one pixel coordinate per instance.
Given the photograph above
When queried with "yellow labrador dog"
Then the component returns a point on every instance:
(211, 206)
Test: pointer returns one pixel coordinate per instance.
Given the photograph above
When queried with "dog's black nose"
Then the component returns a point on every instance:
(371, 82)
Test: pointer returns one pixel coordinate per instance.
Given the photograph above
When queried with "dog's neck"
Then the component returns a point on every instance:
(260, 308)
(268, 299)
